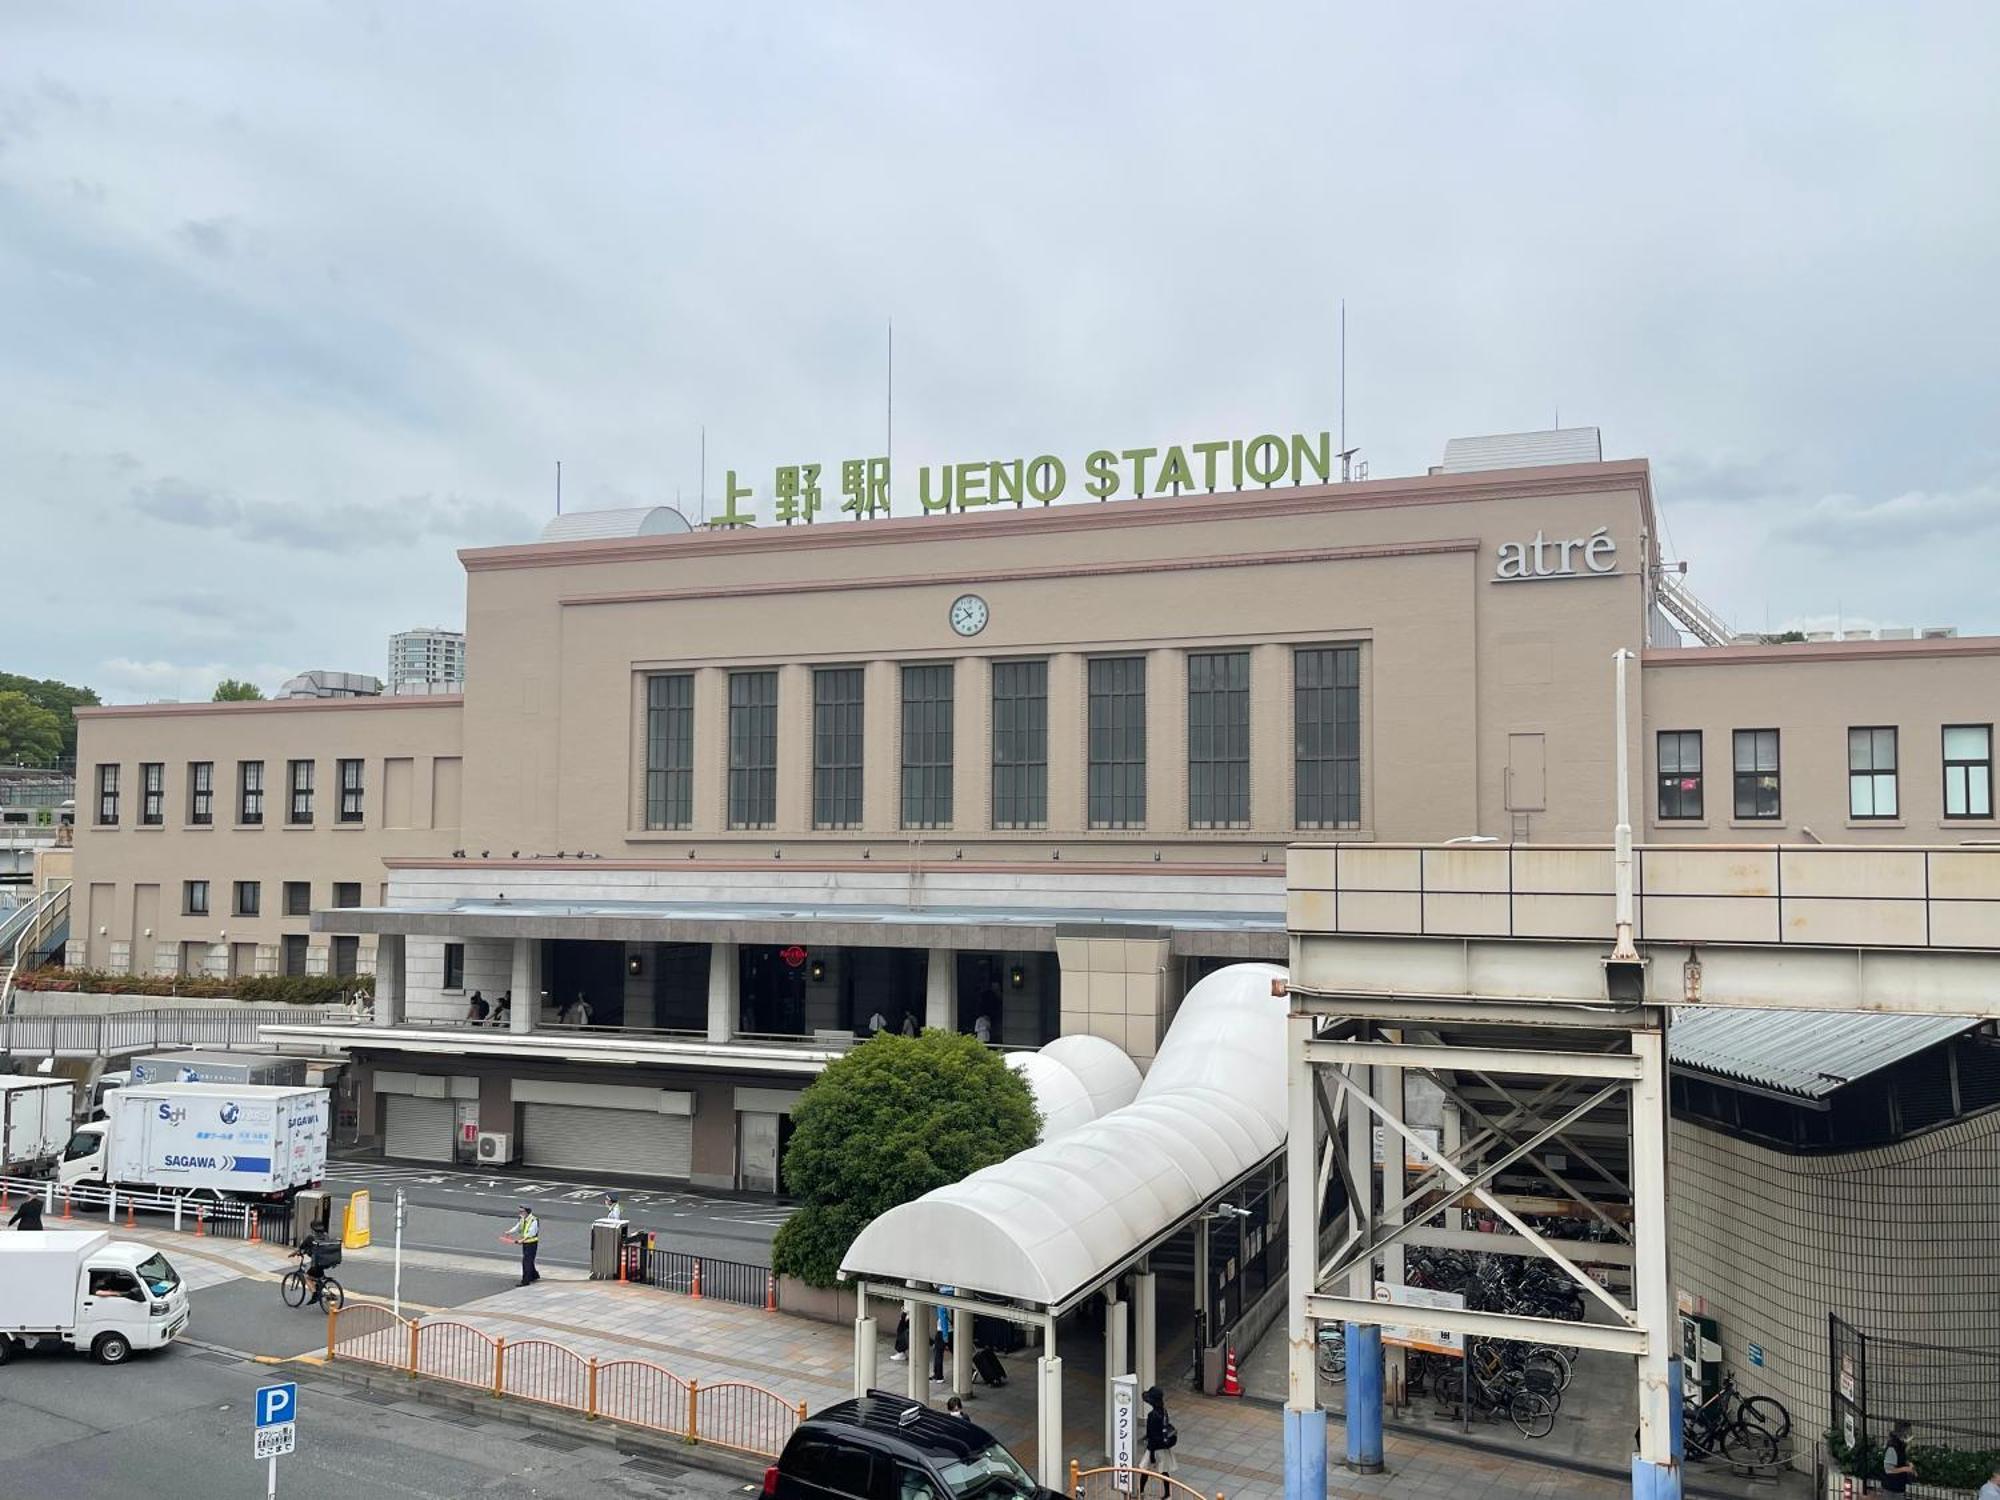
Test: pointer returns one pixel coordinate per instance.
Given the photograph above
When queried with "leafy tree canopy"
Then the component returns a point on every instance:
(30, 735)
(885, 1123)
(235, 690)
(57, 697)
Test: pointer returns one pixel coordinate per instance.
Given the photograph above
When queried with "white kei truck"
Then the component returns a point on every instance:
(86, 1290)
(214, 1142)
(35, 1116)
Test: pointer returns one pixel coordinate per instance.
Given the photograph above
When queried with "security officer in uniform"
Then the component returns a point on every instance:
(527, 1233)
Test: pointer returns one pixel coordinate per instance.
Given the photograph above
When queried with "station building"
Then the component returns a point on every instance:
(1020, 769)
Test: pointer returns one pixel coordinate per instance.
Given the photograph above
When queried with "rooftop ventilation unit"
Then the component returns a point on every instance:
(1522, 450)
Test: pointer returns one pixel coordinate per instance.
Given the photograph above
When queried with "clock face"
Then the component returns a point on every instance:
(968, 614)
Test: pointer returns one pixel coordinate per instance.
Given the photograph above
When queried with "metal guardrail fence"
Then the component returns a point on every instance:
(141, 1030)
(704, 1276)
(1114, 1483)
(86, 1205)
(728, 1414)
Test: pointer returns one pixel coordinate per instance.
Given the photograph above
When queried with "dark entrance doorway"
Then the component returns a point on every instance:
(595, 971)
(796, 990)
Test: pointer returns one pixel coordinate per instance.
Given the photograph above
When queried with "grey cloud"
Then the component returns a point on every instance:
(1913, 518)
(1703, 478)
(349, 527)
(214, 238)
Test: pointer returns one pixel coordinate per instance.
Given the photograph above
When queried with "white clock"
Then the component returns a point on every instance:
(968, 614)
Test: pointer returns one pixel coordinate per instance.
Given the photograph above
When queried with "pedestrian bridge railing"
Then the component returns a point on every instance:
(731, 1414)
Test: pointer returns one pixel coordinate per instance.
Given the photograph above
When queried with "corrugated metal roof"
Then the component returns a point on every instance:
(1523, 450)
(593, 525)
(1805, 1052)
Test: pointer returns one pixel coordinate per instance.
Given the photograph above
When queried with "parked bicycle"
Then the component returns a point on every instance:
(309, 1277)
(1747, 1431)
(1332, 1352)
(1488, 1388)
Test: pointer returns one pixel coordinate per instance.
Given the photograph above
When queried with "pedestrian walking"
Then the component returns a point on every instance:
(578, 1013)
(1991, 1489)
(527, 1233)
(877, 1023)
(502, 1008)
(982, 1028)
(909, 1023)
(477, 1009)
(902, 1350)
(1160, 1438)
(1897, 1469)
(29, 1214)
(940, 1340)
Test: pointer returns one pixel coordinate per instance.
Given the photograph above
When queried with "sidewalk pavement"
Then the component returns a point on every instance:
(1230, 1447)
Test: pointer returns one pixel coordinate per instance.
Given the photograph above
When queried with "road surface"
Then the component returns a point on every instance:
(177, 1425)
(466, 1209)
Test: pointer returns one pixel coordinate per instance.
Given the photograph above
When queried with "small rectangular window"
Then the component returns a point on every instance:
(670, 751)
(350, 791)
(1968, 770)
(249, 898)
(1871, 772)
(1115, 796)
(250, 792)
(201, 792)
(1679, 757)
(107, 796)
(1219, 739)
(346, 957)
(347, 893)
(152, 793)
(753, 749)
(300, 780)
(1756, 772)
(454, 966)
(1020, 744)
(194, 898)
(927, 745)
(293, 946)
(1326, 730)
(837, 712)
(298, 898)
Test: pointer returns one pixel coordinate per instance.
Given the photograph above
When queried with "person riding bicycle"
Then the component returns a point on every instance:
(317, 1257)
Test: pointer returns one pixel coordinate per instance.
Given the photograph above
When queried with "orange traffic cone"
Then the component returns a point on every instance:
(65, 1203)
(695, 1290)
(770, 1293)
(1231, 1386)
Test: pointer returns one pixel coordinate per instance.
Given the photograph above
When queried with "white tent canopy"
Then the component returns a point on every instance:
(1054, 1219)
(1076, 1079)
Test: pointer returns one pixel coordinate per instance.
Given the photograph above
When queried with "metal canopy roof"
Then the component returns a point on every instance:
(1809, 1053)
(1055, 1219)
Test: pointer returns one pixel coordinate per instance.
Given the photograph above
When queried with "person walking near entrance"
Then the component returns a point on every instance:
(909, 1023)
(1897, 1469)
(1991, 1489)
(29, 1214)
(940, 1340)
(1160, 1438)
(527, 1233)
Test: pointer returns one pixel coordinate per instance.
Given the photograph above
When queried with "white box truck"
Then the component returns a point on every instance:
(216, 1140)
(35, 1118)
(196, 1066)
(87, 1290)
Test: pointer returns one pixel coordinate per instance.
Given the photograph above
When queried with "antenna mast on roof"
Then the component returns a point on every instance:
(558, 486)
(889, 419)
(1346, 453)
(704, 473)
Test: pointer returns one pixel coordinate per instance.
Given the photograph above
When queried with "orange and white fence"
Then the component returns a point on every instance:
(730, 1414)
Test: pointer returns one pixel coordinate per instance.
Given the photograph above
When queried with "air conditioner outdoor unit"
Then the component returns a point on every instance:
(495, 1148)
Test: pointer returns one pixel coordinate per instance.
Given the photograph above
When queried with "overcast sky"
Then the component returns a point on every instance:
(297, 299)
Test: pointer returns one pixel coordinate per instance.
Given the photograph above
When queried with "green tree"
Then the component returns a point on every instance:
(59, 698)
(891, 1120)
(29, 734)
(235, 690)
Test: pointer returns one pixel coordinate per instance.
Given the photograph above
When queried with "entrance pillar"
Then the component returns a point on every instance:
(724, 991)
(1117, 1357)
(1146, 1329)
(1049, 1467)
(961, 1352)
(525, 989)
(866, 1346)
(1451, 1139)
(922, 1322)
(1389, 1090)
(938, 986)
(389, 979)
(1305, 1422)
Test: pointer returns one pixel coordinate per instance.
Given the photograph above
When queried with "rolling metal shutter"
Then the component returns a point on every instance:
(629, 1142)
(419, 1129)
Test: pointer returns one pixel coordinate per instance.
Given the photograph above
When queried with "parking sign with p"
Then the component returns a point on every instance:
(277, 1403)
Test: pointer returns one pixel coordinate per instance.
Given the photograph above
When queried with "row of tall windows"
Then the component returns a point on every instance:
(1873, 773)
(247, 897)
(249, 792)
(1326, 717)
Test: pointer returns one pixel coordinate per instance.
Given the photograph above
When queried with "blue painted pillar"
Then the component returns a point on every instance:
(1305, 1455)
(1364, 1398)
(1651, 1481)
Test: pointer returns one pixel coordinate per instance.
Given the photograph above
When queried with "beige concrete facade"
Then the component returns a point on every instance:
(129, 900)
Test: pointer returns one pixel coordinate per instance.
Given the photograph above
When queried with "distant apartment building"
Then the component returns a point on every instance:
(427, 660)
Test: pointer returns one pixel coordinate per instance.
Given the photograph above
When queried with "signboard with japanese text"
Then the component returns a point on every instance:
(1417, 1334)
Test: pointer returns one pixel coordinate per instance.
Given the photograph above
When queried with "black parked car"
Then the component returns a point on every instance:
(888, 1447)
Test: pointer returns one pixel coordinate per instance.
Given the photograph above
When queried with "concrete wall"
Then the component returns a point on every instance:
(1899, 1241)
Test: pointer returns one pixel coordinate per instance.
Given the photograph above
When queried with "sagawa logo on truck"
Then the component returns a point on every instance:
(218, 1163)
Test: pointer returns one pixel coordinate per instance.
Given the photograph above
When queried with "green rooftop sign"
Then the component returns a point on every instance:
(859, 487)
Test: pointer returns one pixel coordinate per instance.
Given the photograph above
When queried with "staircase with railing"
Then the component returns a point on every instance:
(1688, 612)
(29, 934)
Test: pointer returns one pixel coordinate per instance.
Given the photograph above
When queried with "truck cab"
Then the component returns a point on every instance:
(83, 1158)
(88, 1291)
